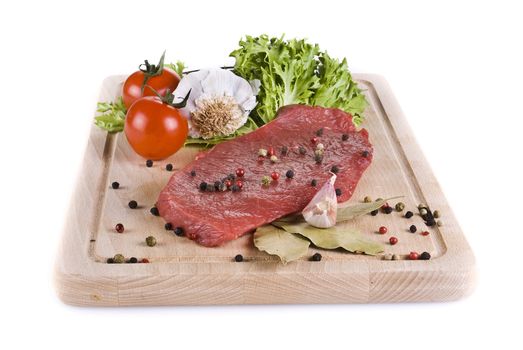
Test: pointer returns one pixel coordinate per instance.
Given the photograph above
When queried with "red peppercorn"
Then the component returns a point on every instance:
(270, 151)
(385, 206)
(275, 176)
(393, 240)
(119, 228)
(239, 183)
(413, 256)
(425, 233)
(314, 139)
(240, 172)
(228, 183)
(144, 261)
(383, 230)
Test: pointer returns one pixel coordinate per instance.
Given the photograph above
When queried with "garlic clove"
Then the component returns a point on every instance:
(322, 209)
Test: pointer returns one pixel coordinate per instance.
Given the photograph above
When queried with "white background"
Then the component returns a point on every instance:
(455, 68)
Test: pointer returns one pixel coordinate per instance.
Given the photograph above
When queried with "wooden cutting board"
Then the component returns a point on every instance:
(181, 272)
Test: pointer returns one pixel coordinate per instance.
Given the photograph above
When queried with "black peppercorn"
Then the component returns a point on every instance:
(314, 182)
(238, 258)
(318, 158)
(193, 173)
(335, 169)
(408, 214)
(235, 188)
(133, 260)
(110, 261)
(115, 185)
(203, 186)
(149, 163)
(168, 226)
(155, 211)
(217, 184)
(319, 132)
(424, 256)
(210, 188)
(284, 150)
(431, 223)
(133, 204)
(344, 137)
(302, 150)
(316, 257)
(412, 228)
(365, 154)
(169, 167)
(178, 231)
(231, 177)
(374, 212)
(387, 209)
(289, 174)
(338, 192)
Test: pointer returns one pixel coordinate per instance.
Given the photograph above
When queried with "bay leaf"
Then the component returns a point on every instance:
(275, 241)
(350, 211)
(334, 237)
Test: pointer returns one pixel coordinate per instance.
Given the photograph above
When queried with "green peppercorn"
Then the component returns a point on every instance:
(302, 150)
(421, 206)
(439, 223)
(262, 152)
(274, 159)
(118, 259)
(150, 241)
(266, 180)
(423, 212)
(400, 206)
(367, 199)
(436, 214)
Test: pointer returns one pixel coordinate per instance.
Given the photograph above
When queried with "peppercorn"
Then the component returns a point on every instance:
(155, 211)
(133, 204)
(238, 258)
(275, 175)
(367, 199)
(302, 150)
(314, 139)
(270, 151)
(335, 169)
(395, 257)
(314, 182)
(210, 188)
(144, 261)
(235, 188)
(284, 150)
(425, 233)
(413, 256)
(217, 184)
(110, 261)
(374, 212)
(240, 172)
(319, 152)
(133, 260)
(424, 256)
(365, 154)
(382, 230)
(231, 177)
(412, 228)
(119, 259)
(203, 186)
(393, 240)
(274, 159)
(228, 183)
(149, 163)
(387, 256)
(289, 174)
(222, 187)
(178, 231)
(319, 132)
(423, 212)
(115, 185)
(239, 183)
(386, 209)
(262, 152)
(150, 241)
(338, 192)
(316, 257)
(439, 223)
(193, 173)
(318, 158)
(320, 147)
(436, 214)
(168, 226)
(344, 137)
(266, 181)
(408, 214)
(119, 228)
(400, 206)
(169, 167)
(431, 223)
(421, 206)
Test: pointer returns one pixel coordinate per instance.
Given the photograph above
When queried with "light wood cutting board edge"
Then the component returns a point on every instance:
(80, 280)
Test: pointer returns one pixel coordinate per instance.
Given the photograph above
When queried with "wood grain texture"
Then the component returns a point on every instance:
(181, 272)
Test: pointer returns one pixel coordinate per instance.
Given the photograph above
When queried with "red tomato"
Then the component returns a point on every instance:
(132, 88)
(155, 130)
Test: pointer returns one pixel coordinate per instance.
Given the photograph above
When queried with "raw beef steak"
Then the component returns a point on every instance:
(213, 214)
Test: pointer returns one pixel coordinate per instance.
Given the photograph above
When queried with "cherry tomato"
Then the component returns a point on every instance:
(155, 130)
(132, 88)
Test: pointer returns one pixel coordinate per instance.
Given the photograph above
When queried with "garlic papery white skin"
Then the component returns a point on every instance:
(322, 209)
(219, 102)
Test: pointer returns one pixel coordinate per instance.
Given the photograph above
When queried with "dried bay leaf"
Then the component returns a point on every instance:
(334, 237)
(349, 212)
(275, 241)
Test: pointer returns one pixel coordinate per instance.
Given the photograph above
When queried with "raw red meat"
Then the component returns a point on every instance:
(212, 218)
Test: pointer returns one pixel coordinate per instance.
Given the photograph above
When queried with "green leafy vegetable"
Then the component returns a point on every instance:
(334, 237)
(276, 241)
(178, 67)
(296, 72)
(112, 115)
(349, 212)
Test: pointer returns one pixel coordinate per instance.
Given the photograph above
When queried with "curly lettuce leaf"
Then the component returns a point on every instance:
(112, 115)
(178, 67)
(296, 72)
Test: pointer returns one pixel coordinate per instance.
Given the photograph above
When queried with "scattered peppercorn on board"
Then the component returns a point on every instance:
(176, 271)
